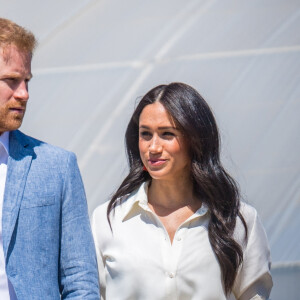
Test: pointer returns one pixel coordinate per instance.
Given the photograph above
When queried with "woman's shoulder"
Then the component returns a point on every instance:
(99, 216)
(121, 208)
(249, 214)
(100, 212)
(101, 209)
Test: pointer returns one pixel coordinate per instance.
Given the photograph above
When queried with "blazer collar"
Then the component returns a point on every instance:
(4, 140)
(4, 147)
(18, 165)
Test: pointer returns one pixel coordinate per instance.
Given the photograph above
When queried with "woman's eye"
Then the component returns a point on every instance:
(145, 134)
(168, 134)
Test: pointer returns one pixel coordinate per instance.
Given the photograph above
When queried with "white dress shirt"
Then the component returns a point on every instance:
(136, 259)
(6, 289)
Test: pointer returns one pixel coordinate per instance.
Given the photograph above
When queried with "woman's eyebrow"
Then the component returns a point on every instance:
(160, 127)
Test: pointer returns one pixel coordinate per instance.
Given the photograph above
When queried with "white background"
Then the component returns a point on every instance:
(97, 58)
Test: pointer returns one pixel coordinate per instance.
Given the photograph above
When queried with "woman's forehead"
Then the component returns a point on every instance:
(156, 113)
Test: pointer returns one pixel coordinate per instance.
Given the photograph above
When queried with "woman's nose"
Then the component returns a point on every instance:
(155, 145)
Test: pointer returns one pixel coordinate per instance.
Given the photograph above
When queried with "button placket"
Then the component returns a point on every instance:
(179, 235)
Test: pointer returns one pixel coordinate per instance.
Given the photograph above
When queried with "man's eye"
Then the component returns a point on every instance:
(11, 80)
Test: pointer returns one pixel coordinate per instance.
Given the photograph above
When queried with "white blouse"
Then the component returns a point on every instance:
(136, 259)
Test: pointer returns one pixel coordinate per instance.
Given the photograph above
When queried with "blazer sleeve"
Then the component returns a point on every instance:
(254, 280)
(78, 266)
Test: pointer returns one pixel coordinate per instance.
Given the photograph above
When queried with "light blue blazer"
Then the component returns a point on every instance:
(47, 240)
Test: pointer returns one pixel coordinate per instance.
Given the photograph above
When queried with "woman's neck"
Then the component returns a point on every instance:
(172, 202)
(171, 195)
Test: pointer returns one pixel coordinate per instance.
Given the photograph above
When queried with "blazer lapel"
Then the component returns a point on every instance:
(18, 165)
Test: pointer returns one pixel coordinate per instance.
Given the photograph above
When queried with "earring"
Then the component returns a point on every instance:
(145, 169)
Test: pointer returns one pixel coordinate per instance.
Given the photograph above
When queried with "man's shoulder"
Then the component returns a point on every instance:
(41, 147)
(38, 144)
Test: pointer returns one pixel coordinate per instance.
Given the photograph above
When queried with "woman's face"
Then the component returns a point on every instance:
(163, 148)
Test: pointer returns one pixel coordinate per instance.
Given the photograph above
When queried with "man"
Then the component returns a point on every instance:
(46, 246)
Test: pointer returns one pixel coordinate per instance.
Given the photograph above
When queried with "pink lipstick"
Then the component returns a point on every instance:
(156, 162)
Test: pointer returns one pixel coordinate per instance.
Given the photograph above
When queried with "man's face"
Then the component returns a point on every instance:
(15, 73)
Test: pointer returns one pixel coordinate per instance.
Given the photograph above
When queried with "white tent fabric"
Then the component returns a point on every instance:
(96, 58)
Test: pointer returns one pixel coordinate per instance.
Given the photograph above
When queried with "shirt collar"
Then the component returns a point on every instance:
(4, 146)
(140, 198)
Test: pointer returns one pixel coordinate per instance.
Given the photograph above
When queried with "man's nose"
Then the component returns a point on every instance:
(21, 92)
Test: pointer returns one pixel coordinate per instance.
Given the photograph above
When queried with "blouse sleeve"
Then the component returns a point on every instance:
(254, 279)
(100, 260)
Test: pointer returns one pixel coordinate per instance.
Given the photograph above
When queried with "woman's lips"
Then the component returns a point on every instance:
(156, 162)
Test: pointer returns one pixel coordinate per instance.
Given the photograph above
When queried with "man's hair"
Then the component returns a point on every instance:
(14, 34)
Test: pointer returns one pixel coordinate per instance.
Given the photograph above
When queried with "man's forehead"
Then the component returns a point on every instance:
(7, 52)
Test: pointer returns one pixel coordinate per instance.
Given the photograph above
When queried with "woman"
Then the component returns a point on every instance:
(175, 228)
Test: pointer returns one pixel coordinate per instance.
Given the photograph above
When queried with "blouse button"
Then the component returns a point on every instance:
(178, 238)
(171, 275)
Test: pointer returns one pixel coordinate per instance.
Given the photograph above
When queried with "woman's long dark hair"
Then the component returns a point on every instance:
(211, 183)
